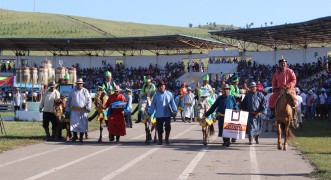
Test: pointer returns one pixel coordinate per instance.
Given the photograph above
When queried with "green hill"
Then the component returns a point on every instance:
(29, 25)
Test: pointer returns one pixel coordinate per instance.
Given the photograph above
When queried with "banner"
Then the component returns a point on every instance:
(235, 123)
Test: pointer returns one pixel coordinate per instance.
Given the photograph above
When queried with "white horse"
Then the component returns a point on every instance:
(205, 123)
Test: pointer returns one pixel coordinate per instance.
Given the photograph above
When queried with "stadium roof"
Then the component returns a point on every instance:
(311, 33)
(167, 44)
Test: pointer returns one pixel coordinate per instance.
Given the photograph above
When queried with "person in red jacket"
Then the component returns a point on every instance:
(284, 77)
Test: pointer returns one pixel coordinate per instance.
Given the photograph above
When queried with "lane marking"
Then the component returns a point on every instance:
(141, 157)
(32, 156)
(195, 161)
(254, 166)
(76, 161)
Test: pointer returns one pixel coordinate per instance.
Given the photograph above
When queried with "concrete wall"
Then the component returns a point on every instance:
(292, 56)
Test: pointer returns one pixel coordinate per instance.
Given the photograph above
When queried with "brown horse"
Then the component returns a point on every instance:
(205, 123)
(62, 122)
(283, 115)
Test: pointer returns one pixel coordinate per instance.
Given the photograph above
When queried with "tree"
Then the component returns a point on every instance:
(190, 25)
(266, 24)
(271, 23)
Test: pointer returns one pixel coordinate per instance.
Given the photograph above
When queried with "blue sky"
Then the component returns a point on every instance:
(182, 12)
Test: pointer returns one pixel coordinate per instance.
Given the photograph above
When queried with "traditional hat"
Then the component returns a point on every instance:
(206, 77)
(189, 88)
(252, 84)
(235, 78)
(79, 81)
(51, 84)
(128, 90)
(117, 88)
(66, 76)
(310, 91)
(282, 60)
(225, 86)
(108, 74)
(147, 79)
(323, 90)
(100, 87)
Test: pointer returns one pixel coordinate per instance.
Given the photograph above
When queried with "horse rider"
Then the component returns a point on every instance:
(255, 103)
(79, 105)
(205, 89)
(189, 102)
(47, 107)
(225, 101)
(284, 77)
(108, 85)
(148, 90)
(164, 106)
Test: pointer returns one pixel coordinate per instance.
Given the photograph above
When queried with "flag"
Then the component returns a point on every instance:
(7, 81)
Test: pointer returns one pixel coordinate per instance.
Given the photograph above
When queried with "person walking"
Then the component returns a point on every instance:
(256, 104)
(79, 105)
(189, 102)
(116, 122)
(164, 106)
(225, 101)
(47, 108)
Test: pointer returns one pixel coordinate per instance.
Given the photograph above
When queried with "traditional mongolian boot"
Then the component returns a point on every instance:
(257, 139)
(111, 138)
(75, 137)
(48, 136)
(160, 137)
(118, 138)
(53, 135)
(167, 137)
(250, 138)
(81, 135)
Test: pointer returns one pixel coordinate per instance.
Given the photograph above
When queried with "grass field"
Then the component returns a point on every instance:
(314, 141)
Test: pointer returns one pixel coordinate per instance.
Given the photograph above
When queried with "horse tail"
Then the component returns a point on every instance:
(211, 129)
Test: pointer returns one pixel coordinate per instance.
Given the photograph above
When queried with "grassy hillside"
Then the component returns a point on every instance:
(28, 24)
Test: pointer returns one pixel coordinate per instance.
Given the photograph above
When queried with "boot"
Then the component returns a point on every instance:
(301, 125)
(111, 138)
(250, 137)
(86, 135)
(53, 135)
(81, 135)
(272, 114)
(48, 136)
(75, 137)
(117, 138)
(257, 139)
(167, 137)
(160, 137)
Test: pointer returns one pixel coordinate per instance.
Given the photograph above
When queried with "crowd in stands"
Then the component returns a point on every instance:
(132, 77)
(7, 67)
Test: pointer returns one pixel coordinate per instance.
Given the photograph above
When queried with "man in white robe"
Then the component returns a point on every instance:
(79, 104)
(189, 103)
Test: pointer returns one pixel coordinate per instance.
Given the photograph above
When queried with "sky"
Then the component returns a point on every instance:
(182, 12)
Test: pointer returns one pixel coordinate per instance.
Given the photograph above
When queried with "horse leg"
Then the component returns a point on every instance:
(204, 140)
(279, 133)
(148, 134)
(286, 134)
(100, 128)
(207, 134)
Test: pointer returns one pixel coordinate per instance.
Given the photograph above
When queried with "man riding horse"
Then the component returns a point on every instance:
(284, 77)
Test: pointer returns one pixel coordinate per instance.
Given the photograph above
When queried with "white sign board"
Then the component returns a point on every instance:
(235, 123)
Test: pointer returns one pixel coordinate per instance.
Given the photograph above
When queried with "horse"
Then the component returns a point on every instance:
(144, 104)
(99, 101)
(283, 116)
(62, 121)
(206, 123)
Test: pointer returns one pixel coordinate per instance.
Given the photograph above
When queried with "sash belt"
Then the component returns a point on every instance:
(77, 108)
(254, 112)
(220, 114)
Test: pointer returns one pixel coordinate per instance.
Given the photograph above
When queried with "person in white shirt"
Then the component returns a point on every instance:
(23, 100)
(189, 102)
(47, 108)
(300, 101)
(16, 100)
(303, 96)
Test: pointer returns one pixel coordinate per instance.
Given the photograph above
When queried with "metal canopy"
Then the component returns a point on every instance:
(311, 33)
(167, 44)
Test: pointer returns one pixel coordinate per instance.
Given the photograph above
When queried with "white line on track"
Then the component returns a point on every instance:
(32, 156)
(195, 161)
(141, 157)
(254, 165)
